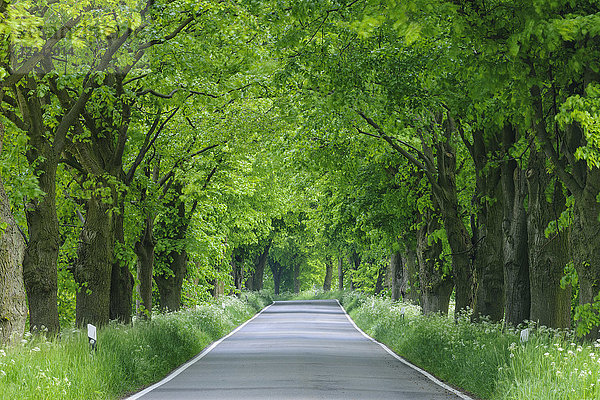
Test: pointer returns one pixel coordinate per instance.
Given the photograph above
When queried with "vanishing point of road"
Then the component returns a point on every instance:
(297, 350)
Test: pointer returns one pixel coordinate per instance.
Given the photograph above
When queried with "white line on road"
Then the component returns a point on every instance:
(193, 360)
(402, 360)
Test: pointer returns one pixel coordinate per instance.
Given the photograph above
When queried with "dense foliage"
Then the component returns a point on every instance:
(161, 153)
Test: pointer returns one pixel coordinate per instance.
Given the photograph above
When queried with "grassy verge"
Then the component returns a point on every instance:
(484, 358)
(128, 357)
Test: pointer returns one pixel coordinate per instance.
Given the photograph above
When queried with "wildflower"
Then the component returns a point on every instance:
(35, 349)
(2, 353)
(546, 354)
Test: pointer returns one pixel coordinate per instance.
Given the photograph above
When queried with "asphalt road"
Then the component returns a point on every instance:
(297, 350)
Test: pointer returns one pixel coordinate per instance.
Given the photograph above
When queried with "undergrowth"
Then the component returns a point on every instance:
(127, 358)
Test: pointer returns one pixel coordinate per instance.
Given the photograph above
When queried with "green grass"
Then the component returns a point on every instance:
(127, 358)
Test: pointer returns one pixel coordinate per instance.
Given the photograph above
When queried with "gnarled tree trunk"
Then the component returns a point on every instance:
(515, 245)
(13, 305)
(144, 249)
(550, 304)
(94, 263)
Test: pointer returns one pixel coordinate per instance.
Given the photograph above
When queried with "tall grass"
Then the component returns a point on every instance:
(127, 357)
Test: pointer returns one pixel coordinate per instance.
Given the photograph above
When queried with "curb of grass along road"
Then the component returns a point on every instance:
(193, 360)
(403, 361)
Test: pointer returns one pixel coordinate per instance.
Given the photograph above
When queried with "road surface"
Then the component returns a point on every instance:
(297, 350)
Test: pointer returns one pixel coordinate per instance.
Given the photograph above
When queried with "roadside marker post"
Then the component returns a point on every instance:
(92, 336)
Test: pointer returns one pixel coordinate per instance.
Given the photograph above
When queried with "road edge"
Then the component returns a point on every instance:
(405, 362)
(197, 358)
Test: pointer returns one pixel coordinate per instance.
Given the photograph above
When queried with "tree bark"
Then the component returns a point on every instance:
(41, 253)
(121, 280)
(13, 305)
(488, 267)
(410, 274)
(237, 269)
(379, 282)
(397, 272)
(296, 277)
(259, 267)
(144, 249)
(436, 286)
(169, 284)
(328, 274)
(94, 263)
(515, 244)
(340, 273)
(354, 260)
(276, 270)
(550, 304)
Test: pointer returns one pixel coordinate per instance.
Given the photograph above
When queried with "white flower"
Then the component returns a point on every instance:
(546, 354)
(35, 349)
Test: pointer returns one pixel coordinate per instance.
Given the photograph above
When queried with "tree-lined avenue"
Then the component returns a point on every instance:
(298, 350)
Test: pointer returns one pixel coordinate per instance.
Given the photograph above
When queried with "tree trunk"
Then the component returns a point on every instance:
(586, 251)
(396, 268)
(328, 274)
(169, 284)
(354, 264)
(379, 282)
(218, 289)
(259, 268)
(93, 267)
(488, 264)
(13, 305)
(121, 280)
(276, 270)
(515, 244)
(297, 278)
(410, 275)
(436, 286)
(144, 249)
(41, 254)
(340, 273)
(550, 304)
(237, 270)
